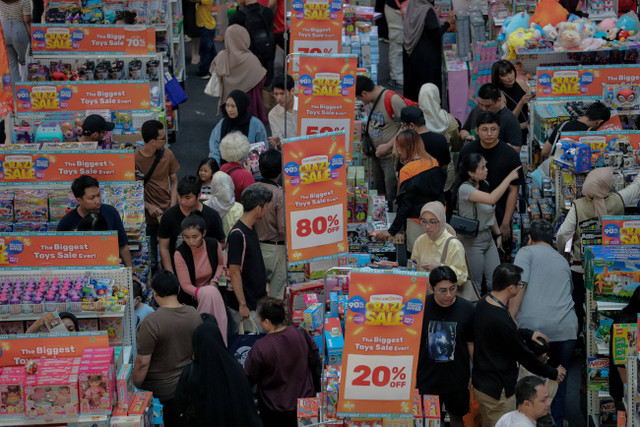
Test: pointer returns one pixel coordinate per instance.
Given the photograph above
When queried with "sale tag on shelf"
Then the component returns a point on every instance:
(316, 27)
(559, 82)
(327, 95)
(68, 249)
(116, 95)
(315, 188)
(381, 343)
(65, 166)
(621, 230)
(109, 39)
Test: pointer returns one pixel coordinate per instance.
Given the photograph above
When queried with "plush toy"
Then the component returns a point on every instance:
(513, 23)
(516, 41)
(538, 31)
(606, 24)
(630, 23)
(612, 34)
(592, 43)
(568, 39)
(550, 32)
(549, 12)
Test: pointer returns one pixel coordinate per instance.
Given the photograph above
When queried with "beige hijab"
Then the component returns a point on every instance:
(437, 209)
(222, 193)
(436, 118)
(597, 187)
(236, 66)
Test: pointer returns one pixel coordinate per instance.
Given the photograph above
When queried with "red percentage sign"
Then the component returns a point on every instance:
(398, 373)
(327, 50)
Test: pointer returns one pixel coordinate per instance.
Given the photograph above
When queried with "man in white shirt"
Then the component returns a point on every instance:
(277, 115)
(532, 399)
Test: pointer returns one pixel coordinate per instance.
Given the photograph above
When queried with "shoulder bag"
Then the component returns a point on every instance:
(367, 144)
(214, 86)
(467, 227)
(468, 290)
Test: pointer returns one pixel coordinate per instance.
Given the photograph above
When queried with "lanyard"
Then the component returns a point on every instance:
(501, 305)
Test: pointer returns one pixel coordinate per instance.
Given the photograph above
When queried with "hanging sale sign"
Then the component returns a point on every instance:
(326, 95)
(110, 39)
(69, 249)
(315, 188)
(382, 342)
(316, 26)
(584, 81)
(60, 166)
(79, 96)
(6, 98)
(621, 230)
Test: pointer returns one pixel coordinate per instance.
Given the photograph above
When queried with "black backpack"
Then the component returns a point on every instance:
(262, 41)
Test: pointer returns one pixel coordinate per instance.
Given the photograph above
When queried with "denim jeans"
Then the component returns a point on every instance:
(16, 39)
(560, 354)
(207, 49)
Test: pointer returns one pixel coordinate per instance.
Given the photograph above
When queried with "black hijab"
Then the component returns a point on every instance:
(214, 387)
(240, 123)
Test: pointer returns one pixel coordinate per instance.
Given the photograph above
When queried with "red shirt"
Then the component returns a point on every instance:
(278, 21)
(241, 178)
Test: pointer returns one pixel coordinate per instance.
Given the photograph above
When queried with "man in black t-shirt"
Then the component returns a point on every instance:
(501, 160)
(593, 118)
(435, 144)
(246, 265)
(446, 345)
(170, 229)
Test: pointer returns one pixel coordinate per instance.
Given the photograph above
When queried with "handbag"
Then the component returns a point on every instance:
(214, 86)
(368, 149)
(468, 289)
(240, 344)
(467, 227)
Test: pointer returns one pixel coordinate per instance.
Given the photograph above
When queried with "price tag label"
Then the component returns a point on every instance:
(377, 377)
(316, 227)
(315, 126)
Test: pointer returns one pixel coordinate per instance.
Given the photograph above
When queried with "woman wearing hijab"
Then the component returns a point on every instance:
(422, 56)
(421, 180)
(438, 237)
(213, 390)
(236, 117)
(223, 200)
(597, 201)
(238, 68)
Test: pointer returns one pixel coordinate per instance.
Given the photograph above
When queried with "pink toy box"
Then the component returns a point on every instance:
(54, 394)
(97, 381)
(11, 392)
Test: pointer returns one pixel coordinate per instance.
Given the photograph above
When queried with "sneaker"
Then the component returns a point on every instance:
(204, 76)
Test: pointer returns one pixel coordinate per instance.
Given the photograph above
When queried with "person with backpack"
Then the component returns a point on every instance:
(380, 131)
(258, 20)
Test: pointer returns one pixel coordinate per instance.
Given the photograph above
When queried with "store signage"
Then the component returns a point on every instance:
(621, 230)
(316, 27)
(315, 185)
(110, 39)
(584, 81)
(6, 99)
(382, 342)
(61, 166)
(326, 95)
(116, 95)
(68, 249)
(17, 350)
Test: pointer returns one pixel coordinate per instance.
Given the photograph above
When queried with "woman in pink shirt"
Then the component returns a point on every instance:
(199, 264)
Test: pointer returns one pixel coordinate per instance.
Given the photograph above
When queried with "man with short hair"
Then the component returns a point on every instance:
(246, 265)
(94, 128)
(277, 114)
(500, 161)
(490, 99)
(164, 344)
(382, 130)
(170, 229)
(446, 346)
(595, 116)
(86, 190)
(271, 228)
(158, 168)
(435, 144)
(532, 400)
(499, 346)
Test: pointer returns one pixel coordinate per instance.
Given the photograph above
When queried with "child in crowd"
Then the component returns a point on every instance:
(142, 309)
(207, 168)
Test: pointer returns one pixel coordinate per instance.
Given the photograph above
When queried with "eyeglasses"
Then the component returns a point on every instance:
(521, 284)
(444, 291)
(426, 223)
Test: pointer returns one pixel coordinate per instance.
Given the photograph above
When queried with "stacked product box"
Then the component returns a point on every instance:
(53, 390)
(97, 381)
(612, 272)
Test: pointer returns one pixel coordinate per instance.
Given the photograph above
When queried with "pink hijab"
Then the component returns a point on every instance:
(597, 187)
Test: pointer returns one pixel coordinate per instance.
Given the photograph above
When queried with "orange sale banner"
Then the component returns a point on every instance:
(316, 26)
(17, 350)
(6, 96)
(589, 81)
(60, 166)
(111, 39)
(116, 95)
(315, 187)
(326, 95)
(381, 343)
(69, 249)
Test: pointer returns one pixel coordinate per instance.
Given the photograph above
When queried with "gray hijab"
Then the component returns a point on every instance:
(414, 21)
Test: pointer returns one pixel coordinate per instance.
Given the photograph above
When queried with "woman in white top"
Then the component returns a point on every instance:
(16, 27)
(474, 201)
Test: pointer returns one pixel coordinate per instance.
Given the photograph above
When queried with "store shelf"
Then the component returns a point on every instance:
(81, 315)
(604, 394)
(610, 306)
(603, 349)
(45, 421)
